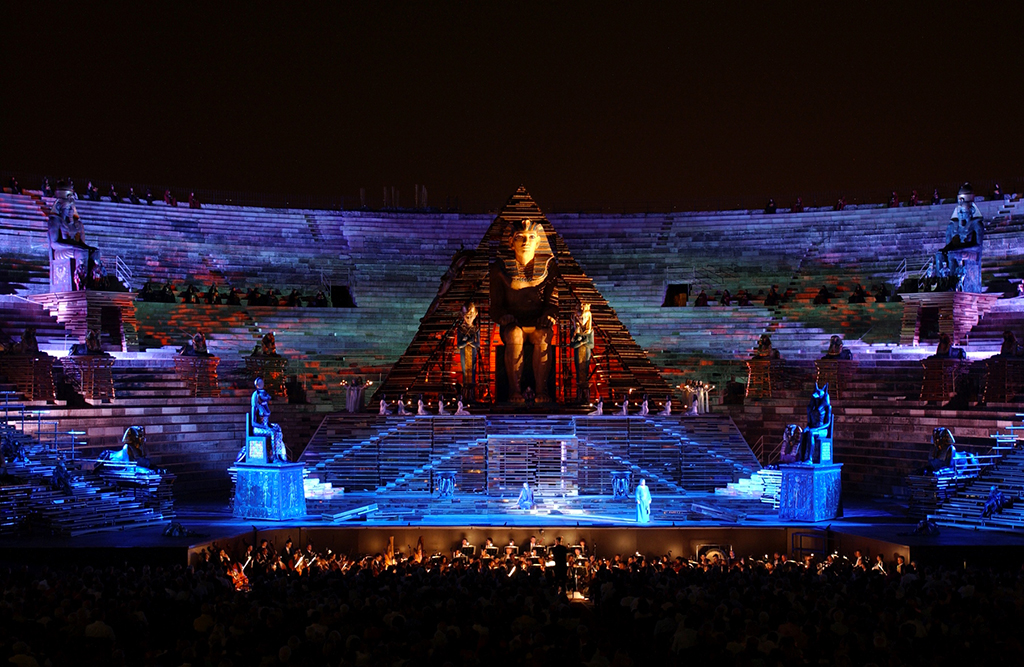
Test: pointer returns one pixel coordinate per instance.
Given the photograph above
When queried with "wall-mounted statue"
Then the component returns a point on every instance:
(525, 304)
(583, 345)
(467, 339)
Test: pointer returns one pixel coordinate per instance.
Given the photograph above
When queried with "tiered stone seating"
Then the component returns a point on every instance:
(964, 509)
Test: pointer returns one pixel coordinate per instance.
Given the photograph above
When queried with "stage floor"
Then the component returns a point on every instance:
(873, 525)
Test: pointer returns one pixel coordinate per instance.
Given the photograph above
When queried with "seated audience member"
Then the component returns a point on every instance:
(132, 197)
(822, 298)
(254, 297)
(213, 296)
(15, 187)
(798, 207)
(169, 198)
(167, 294)
(770, 207)
(880, 294)
(742, 297)
(858, 296)
(190, 295)
(92, 193)
(192, 201)
(270, 298)
(840, 204)
(702, 300)
(936, 199)
(147, 293)
(773, 298)
(726, 299)
(113, 196)
(294, 299)
(894, 200)
(149, 196)
(46, 187)
(914, 201)
(320, 300)
(997, 192)
(234, 297)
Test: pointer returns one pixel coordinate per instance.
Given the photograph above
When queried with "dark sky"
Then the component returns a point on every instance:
(590, 103)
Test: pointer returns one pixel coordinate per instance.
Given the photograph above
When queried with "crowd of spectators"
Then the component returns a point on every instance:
(775, 297)
(390, 610)
(155, 293)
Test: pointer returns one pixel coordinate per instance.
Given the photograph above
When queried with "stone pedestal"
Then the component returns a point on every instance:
(940, 377)
(620, 484)
(834, 373)
(271, 368)
(1004, 381)
(111, 313)
(32, 374)
(445, 481)
(90, 374)
(272, 492)
(199, 375)
(810, 492)
(958, 312)
(762, 376)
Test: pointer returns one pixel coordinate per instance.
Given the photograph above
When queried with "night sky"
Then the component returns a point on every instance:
(588, 104)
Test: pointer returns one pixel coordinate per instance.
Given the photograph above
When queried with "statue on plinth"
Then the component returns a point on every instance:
(524, 303)
(267, 347)
(945, 350)
(260, 417)
(765, 350)
(836, 350)
(70, 256)
(965, 235)
(467, 339)
(583, 344)
(819, 427)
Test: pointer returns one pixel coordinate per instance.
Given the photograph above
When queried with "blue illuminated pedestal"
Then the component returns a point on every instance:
(810, 492)
(273, 492)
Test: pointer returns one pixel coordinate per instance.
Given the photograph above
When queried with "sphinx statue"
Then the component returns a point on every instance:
(133, 449)
(524, 303)
(582, 344)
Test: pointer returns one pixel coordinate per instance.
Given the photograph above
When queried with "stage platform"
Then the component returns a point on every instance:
(870, 525)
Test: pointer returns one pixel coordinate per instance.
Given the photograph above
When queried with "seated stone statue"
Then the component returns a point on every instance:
(70, 256)
(789, 450)
(945, 349)
(836, 349)
(965, 228)
(524, 303)
(819, 426)
(765, 350)
(268, 345)
(259, 413)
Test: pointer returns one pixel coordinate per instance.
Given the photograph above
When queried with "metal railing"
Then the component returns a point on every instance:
(123, 272)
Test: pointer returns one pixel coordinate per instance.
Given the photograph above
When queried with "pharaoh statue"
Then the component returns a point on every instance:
(819, 428)
(524, 303)
(965, 234)
(764, 348)
(70, 256)
(467, 339)
(259, 414)
(583, 344)
(789, 449)
(836, 349)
